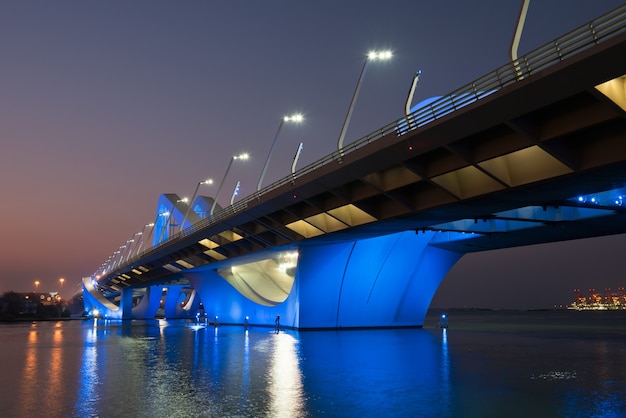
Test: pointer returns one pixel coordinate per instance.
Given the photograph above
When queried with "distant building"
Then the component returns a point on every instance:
(599, 301)
(15, 305)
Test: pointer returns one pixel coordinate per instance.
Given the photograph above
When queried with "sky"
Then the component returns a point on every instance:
(104, 106)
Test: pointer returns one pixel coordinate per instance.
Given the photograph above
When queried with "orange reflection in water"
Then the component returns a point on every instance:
(54, 372)
(29, 387)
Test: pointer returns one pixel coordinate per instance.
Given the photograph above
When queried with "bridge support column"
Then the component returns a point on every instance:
(126, 303)
(95, 301)
(174, 298)
(387, 281)
(149, 305)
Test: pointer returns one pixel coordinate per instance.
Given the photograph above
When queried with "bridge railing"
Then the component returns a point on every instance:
(584, 37)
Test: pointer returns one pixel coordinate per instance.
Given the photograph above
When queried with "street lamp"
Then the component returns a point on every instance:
(195, 192)
(409, 99)
(150, 225)
(62, 280)
(295, 159)
(128, 248)
(296, 118)
(36, 285)
(244, 157)
(371, 56)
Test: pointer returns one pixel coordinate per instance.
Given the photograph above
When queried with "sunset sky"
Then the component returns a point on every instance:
(106, 105)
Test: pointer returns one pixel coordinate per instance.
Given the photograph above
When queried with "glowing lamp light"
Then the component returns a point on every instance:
(380, 55)
(296, 117)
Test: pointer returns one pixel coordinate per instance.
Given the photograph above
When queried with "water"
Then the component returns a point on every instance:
(487, 364)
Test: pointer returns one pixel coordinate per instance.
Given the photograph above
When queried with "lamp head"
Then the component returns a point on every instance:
(379, 55)
(296, 117)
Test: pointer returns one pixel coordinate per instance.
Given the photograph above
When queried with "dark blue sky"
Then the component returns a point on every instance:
(106, 105)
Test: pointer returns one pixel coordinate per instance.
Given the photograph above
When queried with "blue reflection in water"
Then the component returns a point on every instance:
(512, 365)
(395, 371)
(87, 399)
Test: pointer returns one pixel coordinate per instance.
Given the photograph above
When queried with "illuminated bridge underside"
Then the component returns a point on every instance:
(377, 228)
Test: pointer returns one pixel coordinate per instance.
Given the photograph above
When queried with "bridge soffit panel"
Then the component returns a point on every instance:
(525, 166)
(615, 91)
(279, 230)
(392, 178)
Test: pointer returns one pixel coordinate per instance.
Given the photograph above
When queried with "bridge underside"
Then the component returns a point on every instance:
(385, 281)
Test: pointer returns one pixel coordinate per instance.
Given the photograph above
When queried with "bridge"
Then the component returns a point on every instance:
(533, 152)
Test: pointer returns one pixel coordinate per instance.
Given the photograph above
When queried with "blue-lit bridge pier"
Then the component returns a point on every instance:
(533, 152)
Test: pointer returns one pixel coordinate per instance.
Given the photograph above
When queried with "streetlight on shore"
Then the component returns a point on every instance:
(195, 192)
(36, 285)
(244, 157)
(296, 118)
(371, 56)
(62, 280)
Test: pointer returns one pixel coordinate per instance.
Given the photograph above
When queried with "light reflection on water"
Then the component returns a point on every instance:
(171, 368)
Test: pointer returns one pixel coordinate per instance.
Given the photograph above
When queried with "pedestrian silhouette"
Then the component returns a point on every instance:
(277, 322)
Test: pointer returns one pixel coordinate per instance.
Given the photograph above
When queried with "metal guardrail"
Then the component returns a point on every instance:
(584, 37)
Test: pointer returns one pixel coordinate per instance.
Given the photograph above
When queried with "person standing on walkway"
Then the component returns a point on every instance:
(277, 322)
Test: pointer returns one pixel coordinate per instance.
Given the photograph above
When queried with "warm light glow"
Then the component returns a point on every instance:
(207, 181)
(296, 117)
(288, 261)
(243, 156)
(379, 55)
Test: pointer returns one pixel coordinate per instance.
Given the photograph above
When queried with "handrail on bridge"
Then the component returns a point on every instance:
(584, 37)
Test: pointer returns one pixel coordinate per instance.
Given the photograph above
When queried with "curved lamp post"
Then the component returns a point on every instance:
(296, 118)
(141, 241)
(243, 156)
(195, 192)
(517, 35)
(371, 56)
(409, 99)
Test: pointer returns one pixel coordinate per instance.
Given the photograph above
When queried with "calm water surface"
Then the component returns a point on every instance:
(487, 364)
